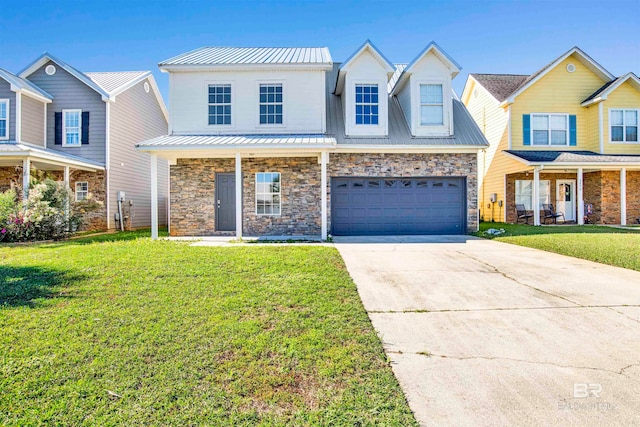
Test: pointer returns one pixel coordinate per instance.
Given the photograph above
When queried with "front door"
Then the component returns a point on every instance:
(566, 198)
(225, 201)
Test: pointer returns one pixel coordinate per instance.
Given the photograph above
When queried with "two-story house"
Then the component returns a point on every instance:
(81, 128)
(283, 141)
(565, 136)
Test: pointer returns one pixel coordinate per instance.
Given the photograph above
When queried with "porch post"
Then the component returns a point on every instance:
(238, 196)
(26, 176)
(66, 203)
(536, 196)
(323, 192)
(623, 196)
(580, 197)
(154, 197)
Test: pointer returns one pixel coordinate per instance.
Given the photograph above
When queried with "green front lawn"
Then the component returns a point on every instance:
(595, 243)
(120, 330)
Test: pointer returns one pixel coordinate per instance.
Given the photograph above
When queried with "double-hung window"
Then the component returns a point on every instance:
(4, 119)
(550, 129)
(624, 125)
(220, 104)
(524, 193)
(367, 104)
(82, 191)
(431, 105)
(268, 192)
(72, 127)
(271, 104)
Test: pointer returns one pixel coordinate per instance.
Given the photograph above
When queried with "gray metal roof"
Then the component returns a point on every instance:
(251, 55)
(111, 81)
(23, 83)
(224, 141)
(500, 85)
(466, 131)
(13, 148)
(547, 156)
(395, 77)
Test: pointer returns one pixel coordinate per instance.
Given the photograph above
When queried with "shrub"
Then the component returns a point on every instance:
(48, 213)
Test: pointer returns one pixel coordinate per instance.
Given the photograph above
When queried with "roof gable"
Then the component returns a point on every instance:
(367, 47)
(431, 49)
(46, 57)
(582, 57)
(18, 84)
(604, 91)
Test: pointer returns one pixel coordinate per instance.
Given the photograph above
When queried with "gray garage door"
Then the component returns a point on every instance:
(376, 206)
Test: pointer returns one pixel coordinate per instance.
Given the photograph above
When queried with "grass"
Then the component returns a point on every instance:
(121, 330)
(606, 245)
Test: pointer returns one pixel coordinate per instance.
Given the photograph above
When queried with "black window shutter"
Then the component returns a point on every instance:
(58, 129)
(85, 127)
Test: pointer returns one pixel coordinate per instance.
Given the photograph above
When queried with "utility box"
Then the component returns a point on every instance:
(121, 196)
(493, 197)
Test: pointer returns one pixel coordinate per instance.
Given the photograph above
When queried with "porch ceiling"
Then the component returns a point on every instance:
(13, 154)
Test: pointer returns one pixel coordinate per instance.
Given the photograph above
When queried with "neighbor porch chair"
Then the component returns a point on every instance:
(522, 213)
(550, 213)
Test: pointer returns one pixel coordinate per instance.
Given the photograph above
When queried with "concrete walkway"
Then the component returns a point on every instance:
(485, 333)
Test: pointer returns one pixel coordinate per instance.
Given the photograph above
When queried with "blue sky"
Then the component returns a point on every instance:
(482, 36)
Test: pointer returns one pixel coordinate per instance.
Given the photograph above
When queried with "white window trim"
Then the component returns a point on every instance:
(256, 195)
(8, 102)
(233, 104)
(624, 133)
(371, 83)
(515, 194)
(549, 144)
(284, 105)
(420, 105)
(445, 129)
(64, 128)
(77, 191)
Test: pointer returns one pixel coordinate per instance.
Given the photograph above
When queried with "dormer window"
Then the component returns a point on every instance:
(431, 105)
(367, 104)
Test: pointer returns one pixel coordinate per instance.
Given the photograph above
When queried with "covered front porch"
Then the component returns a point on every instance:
(585, 187)
(243, 185)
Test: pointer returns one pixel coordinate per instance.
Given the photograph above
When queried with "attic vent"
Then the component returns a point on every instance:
(146, 87)
(571, 68)
(50, 70)
(475, 93)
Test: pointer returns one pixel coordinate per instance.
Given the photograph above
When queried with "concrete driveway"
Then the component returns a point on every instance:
(485, 333)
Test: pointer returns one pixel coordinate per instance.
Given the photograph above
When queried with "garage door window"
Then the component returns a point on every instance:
(268, 193)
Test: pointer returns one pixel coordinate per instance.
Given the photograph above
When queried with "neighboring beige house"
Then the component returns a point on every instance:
(282, 141)
(566, 136)
(82, 128)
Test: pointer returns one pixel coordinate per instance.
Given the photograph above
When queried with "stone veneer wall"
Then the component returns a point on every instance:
(95, 219)
(411, 165)
(11, 177)
(193, 188)
(193, 195)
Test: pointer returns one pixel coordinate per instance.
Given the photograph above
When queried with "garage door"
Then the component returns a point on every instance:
(377, 206)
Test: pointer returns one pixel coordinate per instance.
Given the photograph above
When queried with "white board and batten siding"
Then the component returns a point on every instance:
(32, 121)
(6, 93)
(70, 93)
(365, 69)
(135, 116)
(429, 70)
(303, 106)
